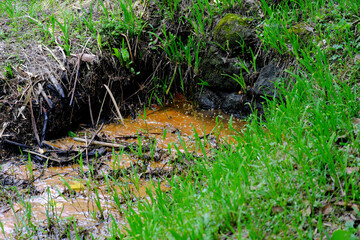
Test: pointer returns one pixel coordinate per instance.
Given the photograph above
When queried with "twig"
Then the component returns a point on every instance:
(90, 111)
(54, 159)
(99, 143)
(102, 105)
(44, 126)
(34, 124)
(116, 107)
(127, 41)
(94, 135)
(86, 149)
(57, 85)
(77, 71)
(5, 124)
(61, 65)
(42, 156)
(47, 100)
(16, 144)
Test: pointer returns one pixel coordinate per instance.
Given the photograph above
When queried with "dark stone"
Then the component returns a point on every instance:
(233, 103)
(215, 70)
(209, 100)
(268, 78)
(224, 93)
(237, 104)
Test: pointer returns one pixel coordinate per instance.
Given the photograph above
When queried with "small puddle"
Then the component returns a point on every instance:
(96, 192)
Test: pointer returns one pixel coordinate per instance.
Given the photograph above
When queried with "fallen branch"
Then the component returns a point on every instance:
(16, 144)
(99, 143)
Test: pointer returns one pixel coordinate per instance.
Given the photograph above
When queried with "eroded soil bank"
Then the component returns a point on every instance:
(64, 185)
(140, 53)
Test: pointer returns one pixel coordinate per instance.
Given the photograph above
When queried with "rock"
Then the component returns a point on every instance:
(233, 36)
(303, 31)
(214, 70)
(208, 100)
(267, 80)
(236, 104)
(233, 103)
(232, 29)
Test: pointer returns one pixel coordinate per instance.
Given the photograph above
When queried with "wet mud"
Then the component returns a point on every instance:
(91, 191)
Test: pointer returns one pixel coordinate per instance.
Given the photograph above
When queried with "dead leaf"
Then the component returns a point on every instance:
(307, 211)
(76, 186)
(17, 208)
(277, 209)
(308, 28)
(356, 121)
(350, 170)
(326, 209)
(328, 224)
(356, 58)
(341, 203)
(85, 57)
(348, 206)
(355, 207)
(21, 72)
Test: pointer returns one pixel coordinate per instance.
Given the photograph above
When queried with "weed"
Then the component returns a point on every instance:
(9, 71)
(123, 55)
(30, 168)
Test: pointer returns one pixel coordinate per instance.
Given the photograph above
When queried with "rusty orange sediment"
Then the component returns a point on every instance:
(164, 127)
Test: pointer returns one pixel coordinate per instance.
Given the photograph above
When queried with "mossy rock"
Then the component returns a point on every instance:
(215, 70)
(303, 31)
(232, 30)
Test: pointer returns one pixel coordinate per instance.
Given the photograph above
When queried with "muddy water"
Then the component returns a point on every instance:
(74, 192)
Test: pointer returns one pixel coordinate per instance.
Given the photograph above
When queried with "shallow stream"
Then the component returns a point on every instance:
(85, 190)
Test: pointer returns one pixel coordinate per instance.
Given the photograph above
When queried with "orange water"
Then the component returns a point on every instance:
(168, 128)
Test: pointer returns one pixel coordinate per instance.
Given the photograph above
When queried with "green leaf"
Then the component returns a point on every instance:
(125, 54)
(337, 46)
(71, 134)
(343, 235)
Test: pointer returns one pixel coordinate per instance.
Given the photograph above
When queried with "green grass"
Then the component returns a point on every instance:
(293, 161)
(287, 167)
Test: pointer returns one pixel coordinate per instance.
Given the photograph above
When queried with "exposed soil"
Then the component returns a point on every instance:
(50, 103)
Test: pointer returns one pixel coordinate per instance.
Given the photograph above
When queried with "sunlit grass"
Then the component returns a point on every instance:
(274, 181)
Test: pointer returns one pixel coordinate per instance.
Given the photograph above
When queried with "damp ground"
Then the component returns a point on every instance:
(51, 191)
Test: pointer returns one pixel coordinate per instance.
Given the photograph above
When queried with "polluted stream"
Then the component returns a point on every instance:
(110, 167)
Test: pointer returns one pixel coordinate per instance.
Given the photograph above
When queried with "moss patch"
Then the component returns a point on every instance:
(232, 29)
(303, 31)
